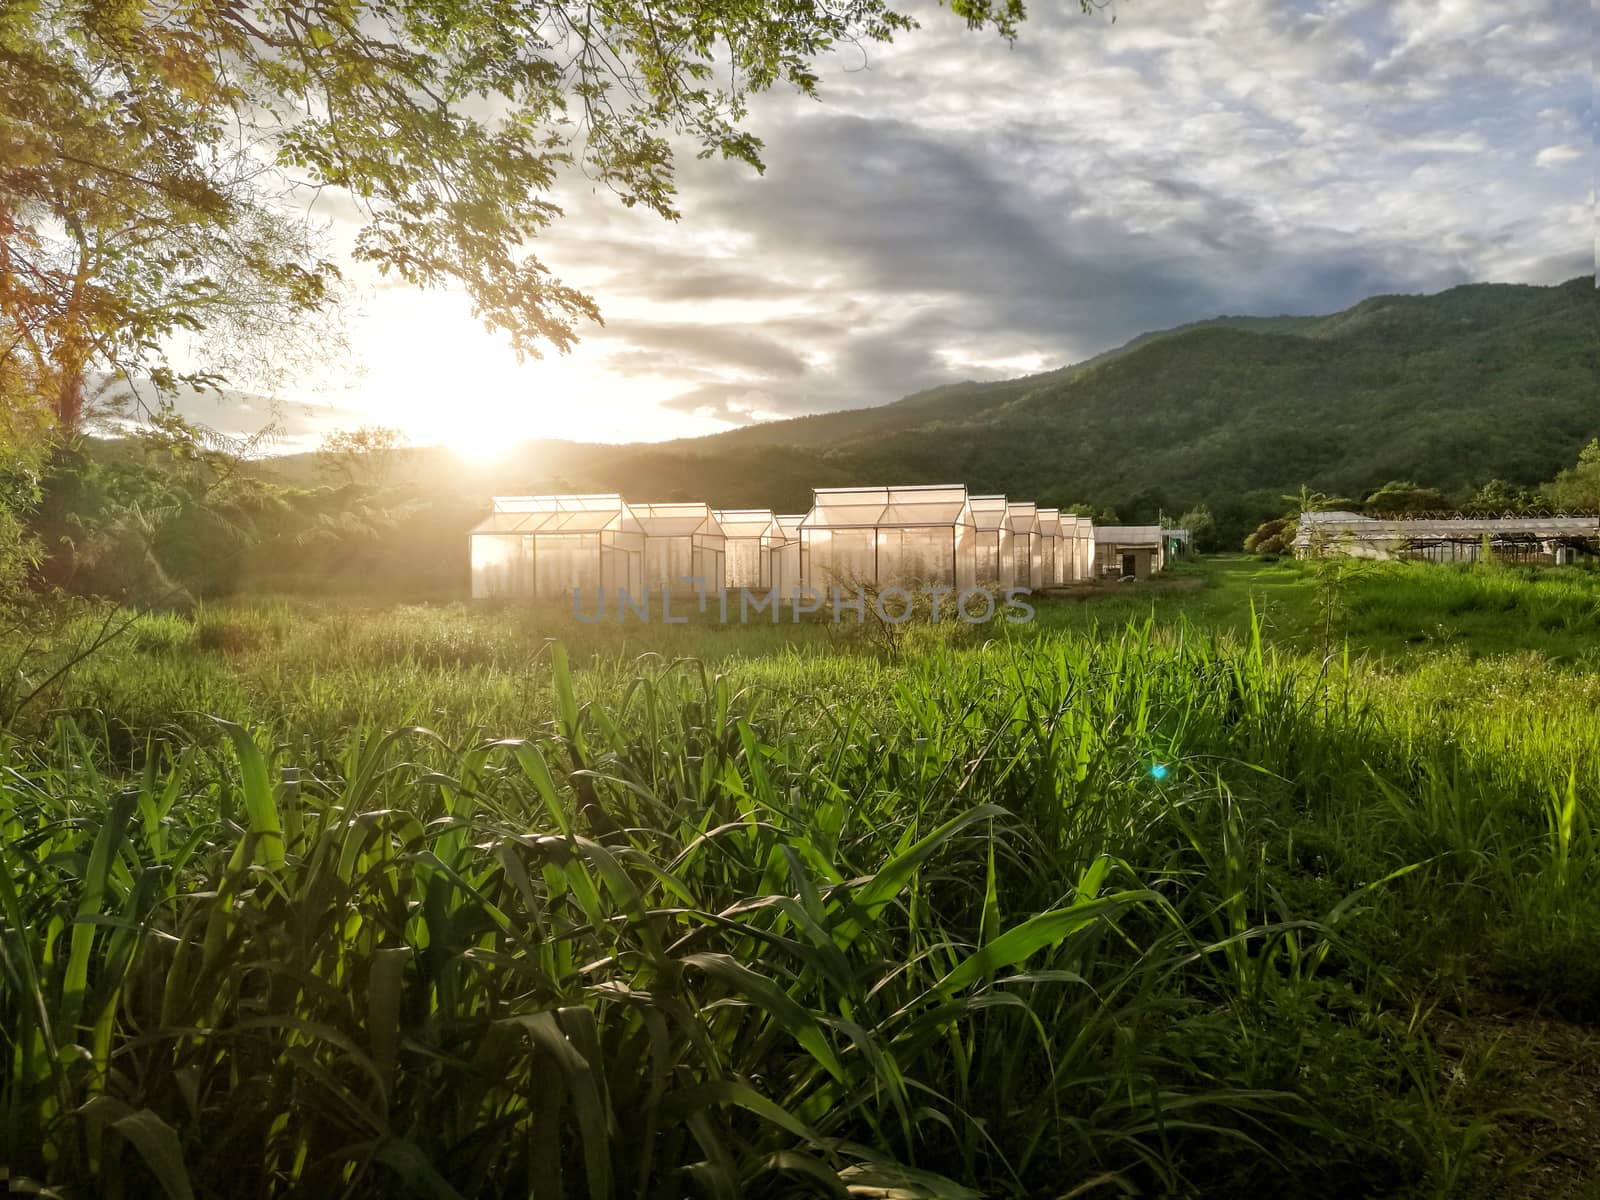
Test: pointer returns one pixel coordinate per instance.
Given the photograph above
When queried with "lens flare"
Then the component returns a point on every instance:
(1159, 771)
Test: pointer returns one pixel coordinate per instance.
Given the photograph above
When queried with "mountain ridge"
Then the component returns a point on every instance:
(1451, 389)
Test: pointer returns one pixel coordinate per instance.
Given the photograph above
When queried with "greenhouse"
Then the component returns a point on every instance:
(887, 536)
(749, 533)
(1534, 539)
(1052, 552)
(683, 542)
(991, 537)
(1020, 566)
(783, 555)
(545, 546)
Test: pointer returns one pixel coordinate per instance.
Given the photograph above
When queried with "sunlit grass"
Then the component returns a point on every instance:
(737, 912)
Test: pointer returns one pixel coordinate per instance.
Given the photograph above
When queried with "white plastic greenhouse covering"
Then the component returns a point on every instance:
(1083, 547)
(888, 536)
(749, 533)
(542, 547)
(682, 541)
(991, 536)
(1052, 548)
(1022, 561)
(784, 555)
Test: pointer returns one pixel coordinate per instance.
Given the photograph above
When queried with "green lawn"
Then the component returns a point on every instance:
(1149, 894)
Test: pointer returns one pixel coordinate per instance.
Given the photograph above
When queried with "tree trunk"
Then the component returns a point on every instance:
(69, 399)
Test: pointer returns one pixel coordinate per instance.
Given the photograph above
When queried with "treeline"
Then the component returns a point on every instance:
(1574, 490)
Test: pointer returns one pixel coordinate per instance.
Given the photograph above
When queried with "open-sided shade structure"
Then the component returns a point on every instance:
(545, 546)
(1020, 568)
(888, 536)
(1528, 538)
(749, 533)
(1129, 551)
(682, 541)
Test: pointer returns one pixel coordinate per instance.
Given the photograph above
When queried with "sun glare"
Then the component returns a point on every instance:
(481, 444)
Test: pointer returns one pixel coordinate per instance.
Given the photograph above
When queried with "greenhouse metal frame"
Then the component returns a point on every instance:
(682, 542)
(888, 536)
(1023, 561)
(544, 547)
(1053, 553)
(747, 556)
(783, 555)
(991, 538)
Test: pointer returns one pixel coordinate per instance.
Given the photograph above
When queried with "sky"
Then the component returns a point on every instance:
(955, 208)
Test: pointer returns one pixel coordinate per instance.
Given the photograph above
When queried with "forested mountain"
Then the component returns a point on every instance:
(1450, 390)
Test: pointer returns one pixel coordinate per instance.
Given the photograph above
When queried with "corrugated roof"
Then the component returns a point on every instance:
(1348, 524)
(1128, 535)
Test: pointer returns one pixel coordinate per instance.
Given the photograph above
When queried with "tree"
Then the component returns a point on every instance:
(1497, 496)
(1202, 528)
(1272, 537)
(1577, 488)
(152, 152)
(1403, 496)
(1306, 500)
(127, 213)
(1277, 535)
(365, 455)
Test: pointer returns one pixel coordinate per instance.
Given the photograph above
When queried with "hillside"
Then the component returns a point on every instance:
(1481, 381)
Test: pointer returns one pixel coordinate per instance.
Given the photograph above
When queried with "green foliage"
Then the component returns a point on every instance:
(1202, 527)
(1450, 389)
(1498, 496)
(1272, 537)
(806, 922)
(365, 455)
(1403, 496)
(154, 166)
(1578, 487)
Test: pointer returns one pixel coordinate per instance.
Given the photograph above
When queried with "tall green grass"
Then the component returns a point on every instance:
(1061, 916)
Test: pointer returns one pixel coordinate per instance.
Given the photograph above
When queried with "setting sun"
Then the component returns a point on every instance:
(480, 443)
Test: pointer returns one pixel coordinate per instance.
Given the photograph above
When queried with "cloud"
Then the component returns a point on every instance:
(1552, 156)
(673, 346)
(956, 206)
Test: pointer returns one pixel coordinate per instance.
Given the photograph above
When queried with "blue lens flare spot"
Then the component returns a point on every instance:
(1158, 771)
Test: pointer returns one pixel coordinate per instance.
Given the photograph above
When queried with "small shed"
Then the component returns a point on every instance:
(1124, 551)
(887, 536)
(542, 547)
(682, 542)
(749, 534)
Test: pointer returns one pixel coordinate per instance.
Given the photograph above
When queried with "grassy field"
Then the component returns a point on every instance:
(1257, 879)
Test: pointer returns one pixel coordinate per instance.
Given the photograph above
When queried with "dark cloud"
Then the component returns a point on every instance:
(962, 208)
(671, 347)
(736, 403)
